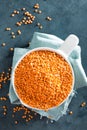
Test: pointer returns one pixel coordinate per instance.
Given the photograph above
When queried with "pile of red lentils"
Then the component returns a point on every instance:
(43, 79)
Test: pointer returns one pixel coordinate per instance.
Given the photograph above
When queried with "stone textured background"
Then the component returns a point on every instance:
(68, 16)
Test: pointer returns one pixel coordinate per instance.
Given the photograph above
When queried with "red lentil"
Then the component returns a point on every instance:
(38, 24)
(4, 113)
(3, 98)
(11, 49)
(83, 104)
(27, 115)
(7, 29)
(48, 18)
(40, 27)
(35, 10)
(16, 122)
(36, 6)
(12, 15)
(70, 112)
(23, 9)
(15, 11)
(4, 77)
(19, 32)
(12, 33)
(0, 86)
(13, 36)
(18, 24)
(43, 79)
(39, 11)
(3, 44)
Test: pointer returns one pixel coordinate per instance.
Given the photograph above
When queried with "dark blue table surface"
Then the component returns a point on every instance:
(68, 16)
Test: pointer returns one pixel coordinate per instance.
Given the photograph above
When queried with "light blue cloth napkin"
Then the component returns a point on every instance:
(47, 40)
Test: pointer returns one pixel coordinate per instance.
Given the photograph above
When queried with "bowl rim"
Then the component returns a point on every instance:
(38, 49)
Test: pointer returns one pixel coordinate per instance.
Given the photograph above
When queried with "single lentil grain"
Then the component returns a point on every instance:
(0, 86)
(16, 122)
(48, 18)
(17, 12)
(12, 33)
(43, 79)
(12, 15)
(13, 36)
(35, 10)
(70, 112)
(11, 49)
(24, 18)
(3, 44)
(39, 11)
(38, 24)
(40, 27)
(19, 32)
(4, 113)
(23, 9)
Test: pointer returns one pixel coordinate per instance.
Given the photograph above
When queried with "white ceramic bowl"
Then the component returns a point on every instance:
(64, 51)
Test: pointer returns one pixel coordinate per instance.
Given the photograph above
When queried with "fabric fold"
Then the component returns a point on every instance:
(47, 40)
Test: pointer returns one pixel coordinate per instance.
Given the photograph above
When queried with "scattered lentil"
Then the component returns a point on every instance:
(16, 122)
(9, 70)
(48, 79)
(7, 29)
(3, 44)
(0, 86)
(15, 11)
(27, 115)
(36, 6)
(70, 112)
(40, 27)
(4, 107)
(18, 24)
(23, 9)
(35, 10)
(25, 18)
(4, 113)
(3, 98)
(83, 104)
(4, 77)
(13, 36)
(11, 49)
(48, 18)
(38, 24)
(23, 21)
(12, 33)
(12, 15)
(19, 32)
(39, 11)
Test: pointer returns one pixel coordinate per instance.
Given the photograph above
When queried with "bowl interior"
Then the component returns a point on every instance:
(37, 49)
